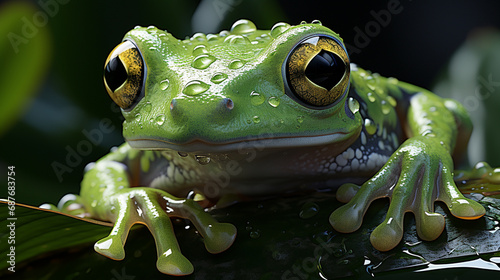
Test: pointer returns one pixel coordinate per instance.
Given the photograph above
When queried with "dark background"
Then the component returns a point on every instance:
(413, 45)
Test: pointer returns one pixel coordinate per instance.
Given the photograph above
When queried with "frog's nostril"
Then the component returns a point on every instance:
(173, 104)
(228, 103)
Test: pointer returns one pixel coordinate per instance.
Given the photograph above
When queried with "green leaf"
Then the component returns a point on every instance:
(280, 238)
(33, 231)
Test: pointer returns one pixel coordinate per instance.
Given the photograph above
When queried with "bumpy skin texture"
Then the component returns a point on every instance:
(216, 118)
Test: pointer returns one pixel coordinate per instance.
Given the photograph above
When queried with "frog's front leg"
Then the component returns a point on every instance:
(109, 196)
(419, 173)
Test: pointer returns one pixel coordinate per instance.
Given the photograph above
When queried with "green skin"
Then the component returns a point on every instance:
(184, 138)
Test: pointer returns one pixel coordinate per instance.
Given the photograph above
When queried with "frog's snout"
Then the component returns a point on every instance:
(218, 110)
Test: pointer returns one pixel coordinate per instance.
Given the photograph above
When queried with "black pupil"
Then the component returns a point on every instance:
(115, 73)
(326, 69)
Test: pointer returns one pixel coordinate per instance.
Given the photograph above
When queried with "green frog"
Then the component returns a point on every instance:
(248, 113)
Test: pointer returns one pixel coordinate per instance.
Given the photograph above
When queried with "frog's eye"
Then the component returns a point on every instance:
(123, 74)
(317, 72)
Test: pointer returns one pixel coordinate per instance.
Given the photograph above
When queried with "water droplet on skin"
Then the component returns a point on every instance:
(308, 210)
(203, 160)
(236, 64)
(243, 26)
(199, 50)
(386, 108)
(274, 101)
(371, 97)
(256, 98)
(164, 84)
(203, 61)
(392, 101)
(160, 119)
(212, 38)
(370, 126)
(392, 80)
(316, 21)
(300, 119)
(137, 117)
(218, 78)
(279, 28)
(199, 37)
(236, 40)
(182, 154)
(353, 105)
(195, 87)
(256, 119)
(224, 33)
(147, 107)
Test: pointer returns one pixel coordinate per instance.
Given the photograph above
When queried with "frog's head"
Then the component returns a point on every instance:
(282, 88)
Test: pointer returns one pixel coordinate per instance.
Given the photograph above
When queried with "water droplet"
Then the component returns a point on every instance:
(138, 117)
(392, 101)
(303, 22)
(164, 84)
(203, 61)
(255, 234)
(203, 160)
(386, 107)
(195, 87)
(279, 28)
(392, 80)
(199, 50)
(256, 98)
(224, 33)
(218, 78)
(316, 21)
(147, 107)
(308, 210)
(370, 126)
(199, 37)
(274, 101)
(236, 64)
(212, 38)
(353, 105)
(300, 119)
(182, 154)
(243, 26)
(256, 119)
(160, 119)
(371, 97)
(236, 40)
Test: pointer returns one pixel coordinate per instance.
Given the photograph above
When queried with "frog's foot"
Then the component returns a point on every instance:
(154, 208)
(413, 178)
(69, 204)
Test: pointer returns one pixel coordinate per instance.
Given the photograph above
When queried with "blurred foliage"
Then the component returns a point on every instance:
(473, 78)
(25, 51)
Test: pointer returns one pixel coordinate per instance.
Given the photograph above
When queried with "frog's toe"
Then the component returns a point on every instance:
(172, 262)
(219, 237)
(387, 235)
(111, 247)
(346, 192)
(466, 209)
(348, 218)
(429, 225)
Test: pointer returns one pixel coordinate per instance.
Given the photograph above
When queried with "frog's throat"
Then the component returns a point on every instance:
(259, 143)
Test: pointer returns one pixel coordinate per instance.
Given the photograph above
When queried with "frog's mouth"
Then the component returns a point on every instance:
(244, 144)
